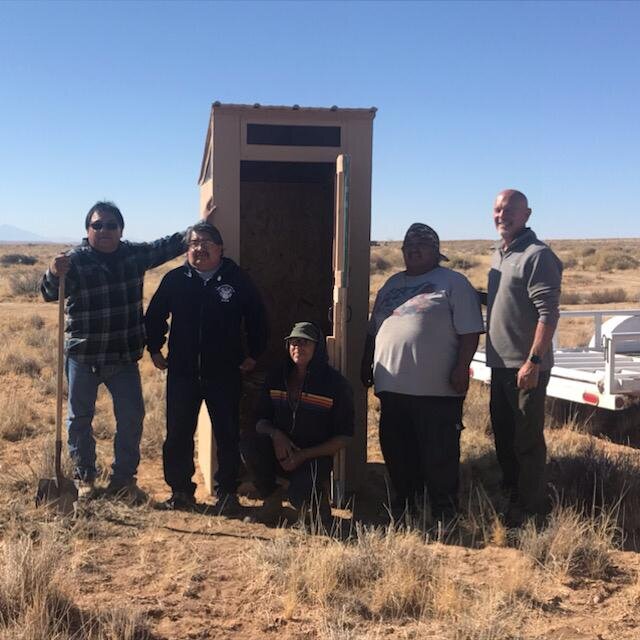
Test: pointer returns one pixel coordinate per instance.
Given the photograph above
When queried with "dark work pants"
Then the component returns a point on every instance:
(517, 419)
(307, 483)
(420, 441)
(184, 398)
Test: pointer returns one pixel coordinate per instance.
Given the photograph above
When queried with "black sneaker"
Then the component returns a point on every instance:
(179, 501)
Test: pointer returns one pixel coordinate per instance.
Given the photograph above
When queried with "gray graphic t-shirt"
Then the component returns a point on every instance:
(416, 321)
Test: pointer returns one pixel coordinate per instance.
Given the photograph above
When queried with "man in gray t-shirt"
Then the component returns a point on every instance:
(522, 314)
(422, 334)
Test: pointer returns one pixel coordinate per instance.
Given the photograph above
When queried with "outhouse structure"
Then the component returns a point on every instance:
(292, 189)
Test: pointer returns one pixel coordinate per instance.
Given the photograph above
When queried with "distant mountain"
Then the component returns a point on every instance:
(9, 233)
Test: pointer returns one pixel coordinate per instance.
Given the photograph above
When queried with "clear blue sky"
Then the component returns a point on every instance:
(111, 100)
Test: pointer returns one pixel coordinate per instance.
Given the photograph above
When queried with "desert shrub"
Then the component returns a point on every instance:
(15, 419)
(570, 297)
(46, 386)
(379, 264)
(459, 261)
(35, 337)
(41, 349)
(17, 258)
(36, 321)
(28, 572)
(20, 363)
(25, 284)
(615, 259)
(569, 261)
(605, 296)
(585, 473)
(587, 251)
(385, 257)
(391, 575)
(155, 420)
(572, 544)
(33, 600)
(322, 572)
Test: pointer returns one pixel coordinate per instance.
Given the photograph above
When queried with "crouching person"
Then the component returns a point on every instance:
(305, 416)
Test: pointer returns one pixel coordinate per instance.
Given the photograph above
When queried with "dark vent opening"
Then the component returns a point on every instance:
(293, 135)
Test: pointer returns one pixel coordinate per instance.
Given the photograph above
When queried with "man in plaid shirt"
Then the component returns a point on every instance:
(105, 337)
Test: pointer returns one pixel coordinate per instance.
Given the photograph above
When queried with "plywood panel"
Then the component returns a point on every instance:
(286, 232)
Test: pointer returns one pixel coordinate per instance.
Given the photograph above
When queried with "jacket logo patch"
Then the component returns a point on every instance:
(225, 291)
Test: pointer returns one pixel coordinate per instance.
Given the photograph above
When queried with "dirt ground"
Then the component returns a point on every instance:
(187, 575)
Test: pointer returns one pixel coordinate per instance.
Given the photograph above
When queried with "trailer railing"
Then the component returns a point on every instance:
(611, 383)
(602, 374)
(597, 315)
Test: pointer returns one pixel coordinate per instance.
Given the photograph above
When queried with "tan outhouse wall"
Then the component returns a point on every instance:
(225, 149)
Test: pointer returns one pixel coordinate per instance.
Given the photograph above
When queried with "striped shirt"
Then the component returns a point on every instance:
(311, 401)
(103, 311)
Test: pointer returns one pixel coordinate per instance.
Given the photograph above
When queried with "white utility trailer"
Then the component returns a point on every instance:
(605, 374)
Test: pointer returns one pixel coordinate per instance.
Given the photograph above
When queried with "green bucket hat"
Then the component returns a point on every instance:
(306, 330)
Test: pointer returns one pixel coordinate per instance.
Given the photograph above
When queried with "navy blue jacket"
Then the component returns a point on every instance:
(208, 320)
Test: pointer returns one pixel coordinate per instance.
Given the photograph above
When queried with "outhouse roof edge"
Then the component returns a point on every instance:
(367, 112)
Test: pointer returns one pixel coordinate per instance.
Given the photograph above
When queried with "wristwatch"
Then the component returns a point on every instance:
(535, 359)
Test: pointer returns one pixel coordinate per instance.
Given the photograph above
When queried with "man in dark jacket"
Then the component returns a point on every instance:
(305, 416)
(104, 338)
(211, 301)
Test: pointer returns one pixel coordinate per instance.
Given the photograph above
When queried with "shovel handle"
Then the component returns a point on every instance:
(59, 379)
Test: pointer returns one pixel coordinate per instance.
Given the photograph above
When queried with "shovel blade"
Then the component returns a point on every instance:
(59, 495)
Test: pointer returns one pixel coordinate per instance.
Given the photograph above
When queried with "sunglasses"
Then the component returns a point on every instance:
(97, 226)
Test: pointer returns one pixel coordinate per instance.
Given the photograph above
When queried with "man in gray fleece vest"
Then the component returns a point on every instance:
(522, 314)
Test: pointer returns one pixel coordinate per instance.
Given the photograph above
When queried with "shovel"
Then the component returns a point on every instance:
(59, 492)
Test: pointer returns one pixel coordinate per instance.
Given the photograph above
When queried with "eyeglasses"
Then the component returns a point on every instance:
(300, 342)
(200, 243)
(98, 226)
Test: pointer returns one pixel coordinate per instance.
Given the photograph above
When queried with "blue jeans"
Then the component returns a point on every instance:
(123, 383)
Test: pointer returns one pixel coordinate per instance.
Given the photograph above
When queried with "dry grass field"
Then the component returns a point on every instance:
(118, 572)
